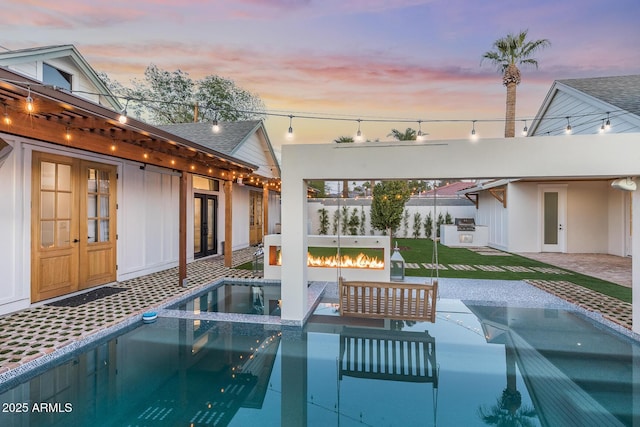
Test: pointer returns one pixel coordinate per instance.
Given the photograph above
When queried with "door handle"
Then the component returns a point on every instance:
(76, 240)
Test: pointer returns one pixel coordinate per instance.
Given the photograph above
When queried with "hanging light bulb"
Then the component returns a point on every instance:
(29, 101)
(7, 118)
(290, 131)
(602, 128)
(607, 124)
(568, 129)
(419, 135)
(474, 137)
(67, 134)
(215, 127)
(525, 130)
(359, 133)
(123, 114)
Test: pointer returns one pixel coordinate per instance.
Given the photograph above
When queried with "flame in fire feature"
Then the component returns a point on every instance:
(346, 261)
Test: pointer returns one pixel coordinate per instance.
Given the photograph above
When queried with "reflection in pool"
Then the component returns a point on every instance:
(476, 365)
(235, 298)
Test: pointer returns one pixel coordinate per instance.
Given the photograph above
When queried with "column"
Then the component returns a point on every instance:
(228, 224)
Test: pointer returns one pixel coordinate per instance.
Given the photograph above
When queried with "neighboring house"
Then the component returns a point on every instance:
(88, 200)
(248, 141)
(577, 216)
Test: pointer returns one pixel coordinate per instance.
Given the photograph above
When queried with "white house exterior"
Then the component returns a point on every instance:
(553, 160)
(88, 200)
(581, 216)
(247, 141)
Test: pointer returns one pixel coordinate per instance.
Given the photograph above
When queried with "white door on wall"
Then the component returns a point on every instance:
(553, 218)
(628, 212)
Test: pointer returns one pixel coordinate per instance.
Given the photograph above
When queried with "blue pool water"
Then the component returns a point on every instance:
(478, 364)
(241, 298)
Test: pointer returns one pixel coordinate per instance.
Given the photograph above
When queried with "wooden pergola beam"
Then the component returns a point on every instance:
(473, 197)
(500, 194)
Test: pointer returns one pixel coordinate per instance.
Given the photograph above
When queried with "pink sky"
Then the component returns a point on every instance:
(368, 59)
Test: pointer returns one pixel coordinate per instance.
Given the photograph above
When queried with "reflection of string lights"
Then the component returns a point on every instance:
(448, 318)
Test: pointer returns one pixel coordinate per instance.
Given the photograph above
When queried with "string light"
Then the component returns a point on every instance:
(123, 114)
(290, 131)
(568, 128)
(7, 118)
(29, 101)
(525, 130)
(359, 133)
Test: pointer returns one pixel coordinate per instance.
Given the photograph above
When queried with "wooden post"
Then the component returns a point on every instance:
(182, 232)
(228, 224)
(265, 211)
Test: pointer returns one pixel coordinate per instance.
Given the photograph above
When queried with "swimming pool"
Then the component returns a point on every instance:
(235, 297)
(478, 364)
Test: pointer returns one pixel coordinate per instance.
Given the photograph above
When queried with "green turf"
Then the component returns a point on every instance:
(421, 251)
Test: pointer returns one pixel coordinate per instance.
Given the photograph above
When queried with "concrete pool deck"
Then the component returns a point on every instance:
(39, 331)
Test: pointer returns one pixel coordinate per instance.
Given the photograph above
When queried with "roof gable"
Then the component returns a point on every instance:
(586, 103)
(245, 140)
(14, 58)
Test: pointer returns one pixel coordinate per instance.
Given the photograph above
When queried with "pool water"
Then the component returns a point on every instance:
(235, 298)
(476, 365)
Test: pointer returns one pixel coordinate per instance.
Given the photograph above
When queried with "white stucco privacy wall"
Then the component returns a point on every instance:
(562, 157)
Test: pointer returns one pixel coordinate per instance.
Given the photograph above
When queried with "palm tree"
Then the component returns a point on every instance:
(511, 51)
(345, 183)
(407, 135)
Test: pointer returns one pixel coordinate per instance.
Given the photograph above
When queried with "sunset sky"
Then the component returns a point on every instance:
(370, 59)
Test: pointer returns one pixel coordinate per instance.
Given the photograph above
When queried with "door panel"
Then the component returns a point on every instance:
(554, 218)
(205, 225)
(72, 225)
(255, 218)
(54, 219)
(97, 229)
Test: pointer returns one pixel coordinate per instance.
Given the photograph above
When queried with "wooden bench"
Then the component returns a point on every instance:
(388, 300)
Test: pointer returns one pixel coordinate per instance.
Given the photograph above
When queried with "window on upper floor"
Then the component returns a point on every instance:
(55, 77)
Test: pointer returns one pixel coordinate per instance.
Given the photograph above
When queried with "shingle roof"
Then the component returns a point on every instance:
(230, 136)
(451, 189)
(620, 91)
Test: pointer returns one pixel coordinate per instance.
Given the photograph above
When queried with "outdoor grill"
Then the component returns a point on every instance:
(466, 224)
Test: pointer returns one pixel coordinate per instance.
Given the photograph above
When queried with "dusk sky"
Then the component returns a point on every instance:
(368, 59)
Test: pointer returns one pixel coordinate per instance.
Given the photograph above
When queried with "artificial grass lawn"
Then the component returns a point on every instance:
(421, 251)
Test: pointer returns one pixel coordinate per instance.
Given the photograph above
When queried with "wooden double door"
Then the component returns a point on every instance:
(73, 225)
(205, 225)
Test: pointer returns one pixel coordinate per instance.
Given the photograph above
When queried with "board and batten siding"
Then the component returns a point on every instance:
(148, 220)
(14, 245)
(256, 151)
(585, 114)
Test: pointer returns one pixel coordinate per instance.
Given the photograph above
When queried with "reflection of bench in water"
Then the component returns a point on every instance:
(388, 355)
(389, 300)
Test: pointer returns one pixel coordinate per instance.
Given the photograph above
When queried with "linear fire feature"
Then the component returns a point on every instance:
(361, 258)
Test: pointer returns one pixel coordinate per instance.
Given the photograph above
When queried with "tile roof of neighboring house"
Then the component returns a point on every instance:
(227, 140)
(451, 189)
(620, 91)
